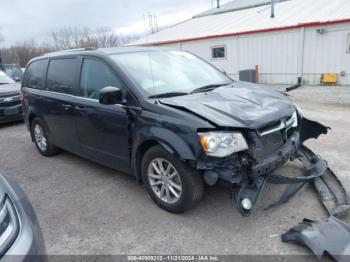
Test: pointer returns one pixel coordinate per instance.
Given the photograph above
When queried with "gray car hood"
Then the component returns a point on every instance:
(241, 105)
(9, 88)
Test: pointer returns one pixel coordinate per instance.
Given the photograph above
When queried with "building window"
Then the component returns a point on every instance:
(348, 44)
(218, 52)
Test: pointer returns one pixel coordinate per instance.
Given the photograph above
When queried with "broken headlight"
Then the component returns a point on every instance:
(221, 144)
(293, 121)
(9, 225)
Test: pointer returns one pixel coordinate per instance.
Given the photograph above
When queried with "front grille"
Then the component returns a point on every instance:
(283, 124)
(266, 159)
(10, 111)
(265, 145)
(10, 104)
(9, 100)
(268, 141)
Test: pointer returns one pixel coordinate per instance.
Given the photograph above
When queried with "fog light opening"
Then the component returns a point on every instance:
(246, 203)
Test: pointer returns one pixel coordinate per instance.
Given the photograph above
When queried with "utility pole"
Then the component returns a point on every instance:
(272, 8)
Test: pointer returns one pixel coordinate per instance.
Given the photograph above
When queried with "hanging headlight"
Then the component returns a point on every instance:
(221, 144)
(9, 225)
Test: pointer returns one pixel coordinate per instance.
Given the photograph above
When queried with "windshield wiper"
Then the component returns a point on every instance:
(208, 88)
(197, 90)
(169, 94)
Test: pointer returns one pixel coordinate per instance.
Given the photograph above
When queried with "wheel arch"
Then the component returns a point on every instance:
(165, 138)
(31, 117)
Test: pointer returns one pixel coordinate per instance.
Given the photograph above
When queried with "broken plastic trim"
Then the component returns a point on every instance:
(330, 189)
(312, 129)
(332, 193)
(331, 237)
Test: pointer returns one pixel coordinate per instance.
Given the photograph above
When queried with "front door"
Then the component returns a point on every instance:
(102, 129)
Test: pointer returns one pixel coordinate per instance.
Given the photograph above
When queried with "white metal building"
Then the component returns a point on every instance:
(305, 39)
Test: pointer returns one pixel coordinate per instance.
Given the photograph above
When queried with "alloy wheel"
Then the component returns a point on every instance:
(164, 180)
(40, 138)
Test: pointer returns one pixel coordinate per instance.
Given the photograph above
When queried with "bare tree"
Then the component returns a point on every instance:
(2, 38)
(1, 60)
(65, 38)
(22, 52)
(105, 37)
(73, 37)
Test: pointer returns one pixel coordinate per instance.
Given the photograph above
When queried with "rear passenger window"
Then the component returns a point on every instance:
(61, 75)
(34, 75)
(96, 75)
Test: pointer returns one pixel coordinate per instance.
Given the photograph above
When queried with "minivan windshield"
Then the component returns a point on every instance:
(5, 79)
(170, 72)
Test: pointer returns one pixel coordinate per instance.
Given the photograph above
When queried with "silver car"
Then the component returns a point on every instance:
(20, 234)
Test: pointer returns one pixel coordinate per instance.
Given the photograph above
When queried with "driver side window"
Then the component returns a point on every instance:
(96, 75)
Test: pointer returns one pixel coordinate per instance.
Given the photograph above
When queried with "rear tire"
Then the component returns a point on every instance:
(175, 186)
(41, 139)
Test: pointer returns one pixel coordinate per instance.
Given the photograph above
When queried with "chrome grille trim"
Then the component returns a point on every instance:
(284, 124)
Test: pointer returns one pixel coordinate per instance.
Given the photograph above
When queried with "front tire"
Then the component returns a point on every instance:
(41, 139)
(172, 185)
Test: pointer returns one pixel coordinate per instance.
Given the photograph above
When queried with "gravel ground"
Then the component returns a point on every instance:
(84, 208)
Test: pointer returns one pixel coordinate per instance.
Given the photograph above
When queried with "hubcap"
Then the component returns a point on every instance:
(40, 138)
(164, 180)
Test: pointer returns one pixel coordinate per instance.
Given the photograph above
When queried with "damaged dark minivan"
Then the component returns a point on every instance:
(173, 121)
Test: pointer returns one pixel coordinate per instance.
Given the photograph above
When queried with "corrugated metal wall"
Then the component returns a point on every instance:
(327, 53)
(282, 55)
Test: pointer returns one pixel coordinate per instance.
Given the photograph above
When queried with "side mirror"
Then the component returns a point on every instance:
(111, 96)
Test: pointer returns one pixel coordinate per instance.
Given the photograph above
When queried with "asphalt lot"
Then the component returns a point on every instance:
(84, 208)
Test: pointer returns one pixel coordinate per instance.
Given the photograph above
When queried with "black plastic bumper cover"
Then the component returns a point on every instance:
(332, 193)
(331, 237)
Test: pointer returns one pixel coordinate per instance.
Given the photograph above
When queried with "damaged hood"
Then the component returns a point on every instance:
(241, 105)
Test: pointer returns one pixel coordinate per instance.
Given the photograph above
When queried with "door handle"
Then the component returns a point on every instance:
(67, 107)
(80, 108)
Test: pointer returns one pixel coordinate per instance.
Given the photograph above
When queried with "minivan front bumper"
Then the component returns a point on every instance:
(11, 114)
(247, 173)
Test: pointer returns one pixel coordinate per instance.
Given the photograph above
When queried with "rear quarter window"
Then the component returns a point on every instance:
(34, 76)
(62, 75)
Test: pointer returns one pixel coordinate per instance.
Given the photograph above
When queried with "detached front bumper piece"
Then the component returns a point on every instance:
(331, 237)
(331, 191)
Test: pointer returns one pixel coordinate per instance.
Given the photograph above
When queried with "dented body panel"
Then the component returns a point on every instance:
(240, 105)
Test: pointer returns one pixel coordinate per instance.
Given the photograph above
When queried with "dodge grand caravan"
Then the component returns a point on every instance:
(173, 121)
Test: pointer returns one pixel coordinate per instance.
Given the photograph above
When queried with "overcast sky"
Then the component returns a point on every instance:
(33, 19)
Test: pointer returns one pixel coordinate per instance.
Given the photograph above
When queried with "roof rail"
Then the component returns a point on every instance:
(72, 50)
